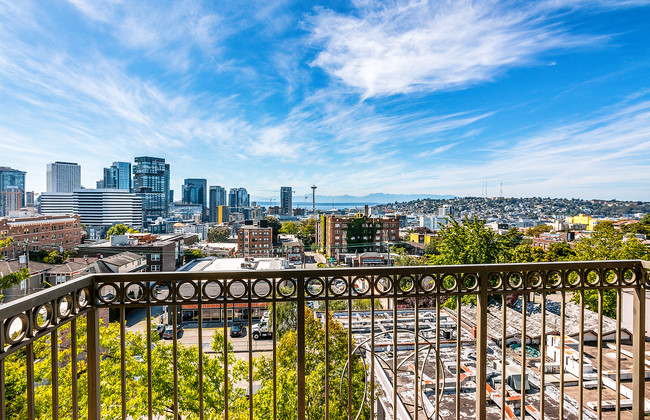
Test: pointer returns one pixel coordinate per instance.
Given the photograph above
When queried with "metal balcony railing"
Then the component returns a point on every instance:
(522, 344)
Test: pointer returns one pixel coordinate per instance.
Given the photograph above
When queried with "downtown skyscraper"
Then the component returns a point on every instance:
(151, 183)
(118, 176)
(218, 197)
(12, 190)
(238, 198)
(63, 177)
(286, 200)
(195, 192)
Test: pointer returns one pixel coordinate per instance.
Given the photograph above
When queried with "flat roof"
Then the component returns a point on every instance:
(233, 264)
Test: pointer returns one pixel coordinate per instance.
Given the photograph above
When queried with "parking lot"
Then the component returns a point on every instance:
(136, 322)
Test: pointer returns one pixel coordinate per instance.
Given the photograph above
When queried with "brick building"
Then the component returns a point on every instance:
(344, 234)
(254, 241)
(41, 233)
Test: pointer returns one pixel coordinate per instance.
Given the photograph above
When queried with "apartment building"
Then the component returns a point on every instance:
(254, 241)
(358, 234)
(41, 233)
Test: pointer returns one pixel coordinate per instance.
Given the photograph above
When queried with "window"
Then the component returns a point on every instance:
(155, 268)
(154, 257)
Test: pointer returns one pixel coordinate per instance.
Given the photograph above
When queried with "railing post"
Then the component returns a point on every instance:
(638, 364)
(92, 335)
(300, 290)
(481, 343)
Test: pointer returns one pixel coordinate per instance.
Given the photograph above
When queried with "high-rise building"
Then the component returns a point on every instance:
(195, 191)
(238, 198)
(98, 209)
(217, 198)
(63, 177)
(118, 176)
(12, 190)
(286, 202)
(29, 199)
(151, 183)
(56, 203)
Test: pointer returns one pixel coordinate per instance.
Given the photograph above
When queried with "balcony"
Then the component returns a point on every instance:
(380, 336)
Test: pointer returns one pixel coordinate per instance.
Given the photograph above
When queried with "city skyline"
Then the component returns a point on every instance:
(550, 98)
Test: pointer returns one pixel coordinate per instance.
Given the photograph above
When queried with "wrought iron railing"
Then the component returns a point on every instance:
(417, 358)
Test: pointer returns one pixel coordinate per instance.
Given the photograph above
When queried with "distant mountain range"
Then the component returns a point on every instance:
(376, 198)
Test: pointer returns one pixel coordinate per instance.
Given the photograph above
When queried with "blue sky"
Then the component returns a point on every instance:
(551, 97)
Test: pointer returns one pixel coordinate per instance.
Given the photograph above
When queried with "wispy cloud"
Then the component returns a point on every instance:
(604, 156)
(169, 34)
(420, 46)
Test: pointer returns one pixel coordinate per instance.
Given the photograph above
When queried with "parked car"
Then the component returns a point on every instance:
(168, 333)
(160, 328)
(236, 330)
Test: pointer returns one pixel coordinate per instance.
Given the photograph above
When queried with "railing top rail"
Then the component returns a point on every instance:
(379, 271)
(13, 308)
(48, 295)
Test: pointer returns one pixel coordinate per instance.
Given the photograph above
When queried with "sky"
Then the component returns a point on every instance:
(546, 98)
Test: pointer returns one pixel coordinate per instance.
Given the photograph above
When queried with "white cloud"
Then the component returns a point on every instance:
(167, 34)
(417, 45)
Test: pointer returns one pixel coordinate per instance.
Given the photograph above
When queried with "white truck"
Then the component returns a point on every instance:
(261, 329)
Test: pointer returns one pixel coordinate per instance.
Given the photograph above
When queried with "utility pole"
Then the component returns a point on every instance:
(313, 199)
(26, 255)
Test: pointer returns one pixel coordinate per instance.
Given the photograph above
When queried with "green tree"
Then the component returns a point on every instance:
(560, 251)
(54, 257)
(538, 230)
(404, 259)
(431, 248)
(469, 242)
(307, 231)
(136, 373)
(286, 377)
(119, 229)
(11, 279)
(605, 243)
(218, 234)
(192, 254)
(274, 223)
(526, 253)
(289, 228)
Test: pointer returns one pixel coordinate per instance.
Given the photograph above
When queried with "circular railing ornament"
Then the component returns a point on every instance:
(134, 292)
(212, 289)
(43, 316)
(108, 292)
(64, 306)
(16, 329)
(384, 285)
(315, 287)
(262, 288)
(187, 290)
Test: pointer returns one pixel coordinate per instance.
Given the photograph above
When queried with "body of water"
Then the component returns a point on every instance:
(319, 206)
